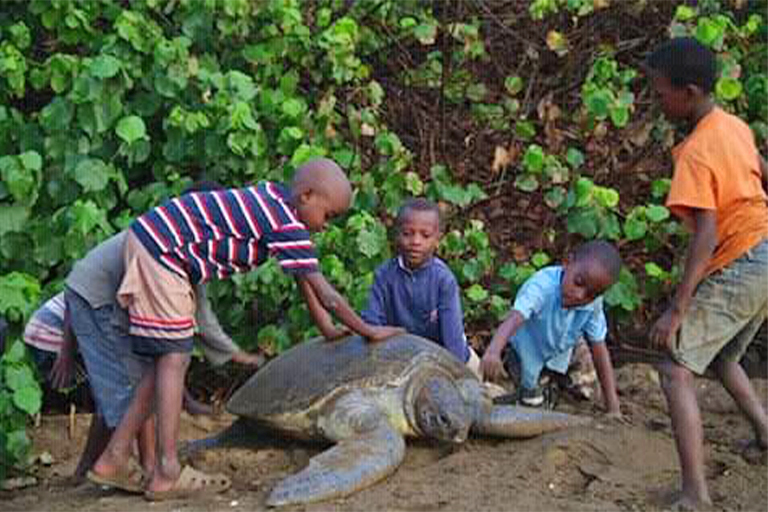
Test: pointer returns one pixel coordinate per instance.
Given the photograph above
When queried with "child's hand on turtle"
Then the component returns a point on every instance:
(382, 332)
(492, 367)
(337, 333)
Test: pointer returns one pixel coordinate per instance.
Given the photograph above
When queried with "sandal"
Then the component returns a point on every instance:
(191, 482)
(129, 479)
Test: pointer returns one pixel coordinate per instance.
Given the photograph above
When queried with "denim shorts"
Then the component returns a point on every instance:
(113, 369)
(727, 310)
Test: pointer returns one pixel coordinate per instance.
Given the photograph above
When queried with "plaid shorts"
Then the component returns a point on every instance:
(726, 312)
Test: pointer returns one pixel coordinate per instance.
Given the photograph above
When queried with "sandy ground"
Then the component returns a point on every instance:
(601, 467)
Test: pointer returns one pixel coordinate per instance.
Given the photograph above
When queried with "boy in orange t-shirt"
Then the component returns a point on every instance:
(719, 191)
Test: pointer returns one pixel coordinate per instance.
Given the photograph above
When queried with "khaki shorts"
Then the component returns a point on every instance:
(160, 303)
(727, 310)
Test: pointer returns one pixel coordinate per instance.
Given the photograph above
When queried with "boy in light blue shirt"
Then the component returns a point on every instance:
(553, 309)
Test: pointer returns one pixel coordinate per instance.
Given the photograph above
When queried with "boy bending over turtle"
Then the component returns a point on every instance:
(211, 235)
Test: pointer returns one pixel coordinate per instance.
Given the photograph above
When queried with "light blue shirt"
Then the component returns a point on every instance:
(550, 331)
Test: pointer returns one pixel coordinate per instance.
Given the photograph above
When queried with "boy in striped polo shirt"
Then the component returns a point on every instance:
(211, 235)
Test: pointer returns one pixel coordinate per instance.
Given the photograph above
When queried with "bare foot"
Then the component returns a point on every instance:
(166, 476)
(108, 464)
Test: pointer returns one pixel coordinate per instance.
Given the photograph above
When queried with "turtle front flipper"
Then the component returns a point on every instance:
(520, 422)
(367, 449)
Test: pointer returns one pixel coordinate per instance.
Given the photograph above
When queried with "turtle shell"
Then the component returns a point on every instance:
(296, 379)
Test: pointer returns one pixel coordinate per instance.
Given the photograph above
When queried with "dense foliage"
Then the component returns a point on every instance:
(108, 107)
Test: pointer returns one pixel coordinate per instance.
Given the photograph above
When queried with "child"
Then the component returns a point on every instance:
(719, 191)
(49, 339)
(552, 310)
(202, 236)
(416, 290)
(113, 369)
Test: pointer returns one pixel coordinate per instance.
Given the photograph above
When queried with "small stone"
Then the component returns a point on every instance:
(45, 458)
(233, 503)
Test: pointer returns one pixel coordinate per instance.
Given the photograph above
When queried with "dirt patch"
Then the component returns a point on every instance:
(600, 467)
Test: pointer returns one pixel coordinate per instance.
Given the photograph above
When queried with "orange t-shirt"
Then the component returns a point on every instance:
(717, 167)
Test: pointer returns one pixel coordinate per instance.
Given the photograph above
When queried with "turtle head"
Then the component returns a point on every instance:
(440, 411)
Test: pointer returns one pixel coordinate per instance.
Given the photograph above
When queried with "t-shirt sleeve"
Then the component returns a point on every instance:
(530, 298)
(596, 329)
(693, 186)
(294, 250)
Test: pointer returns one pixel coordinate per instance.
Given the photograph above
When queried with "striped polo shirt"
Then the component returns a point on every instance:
(45, 330)
(211, 235)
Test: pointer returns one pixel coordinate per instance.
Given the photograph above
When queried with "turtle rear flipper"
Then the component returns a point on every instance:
(521, 422)
(367, 449)
(349, 466)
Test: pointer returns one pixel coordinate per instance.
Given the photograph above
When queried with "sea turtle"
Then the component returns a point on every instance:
(366, 397)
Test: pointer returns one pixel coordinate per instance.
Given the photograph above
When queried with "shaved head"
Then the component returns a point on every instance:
(324, 176)
(320, 191)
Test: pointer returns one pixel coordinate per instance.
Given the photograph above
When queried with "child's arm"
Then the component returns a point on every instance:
(218, 346)
(63, 367)
(333, 302)
(320, 315)
(491, 365)
(699, 253)
(602, 359)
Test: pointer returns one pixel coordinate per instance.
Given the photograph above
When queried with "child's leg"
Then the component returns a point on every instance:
(148, 446)
(171, 369)
(737, 384)
(98, 438)
(106, 354)
(677, 384)
(118, 451)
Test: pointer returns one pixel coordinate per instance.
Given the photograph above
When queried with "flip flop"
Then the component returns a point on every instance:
(191, 482)
(128, 479)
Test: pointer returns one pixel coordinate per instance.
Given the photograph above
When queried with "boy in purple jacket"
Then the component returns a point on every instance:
(416, 290)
